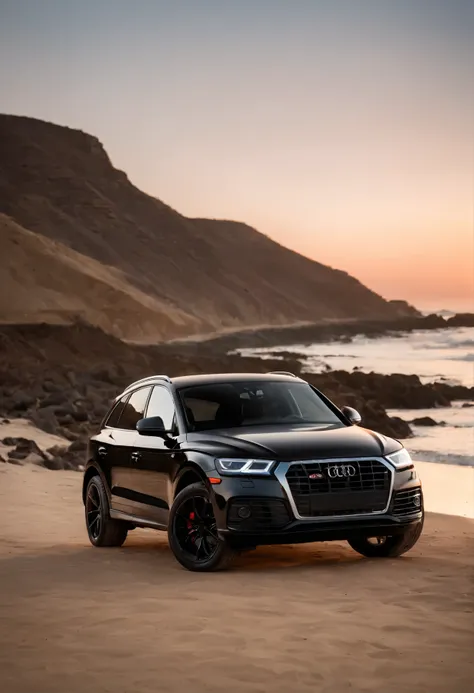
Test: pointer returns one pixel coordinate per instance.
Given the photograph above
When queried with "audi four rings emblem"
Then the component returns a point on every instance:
(342, 470)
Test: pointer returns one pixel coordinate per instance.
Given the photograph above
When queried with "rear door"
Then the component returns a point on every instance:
(105, 445)
(123, 470)
(156, 460)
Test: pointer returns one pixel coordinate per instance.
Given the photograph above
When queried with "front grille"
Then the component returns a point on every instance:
(316, 494)
(407, 502)
(265, 513)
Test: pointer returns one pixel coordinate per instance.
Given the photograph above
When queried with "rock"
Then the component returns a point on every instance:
(55, 399)
(64, 410)
(14, 460)
(6, 421)
(74, 462)
(34, 458)
(57, 451)
(467, 405)
(24, 450)
(54, 463)
(78, 446)
(400, 427)
(45, 419)
(461, 320)
(80, 415)
(11, 442)
(65, 420)
(106, 374)
(71, 436)
(2, 459)
(432, 322)
(21, 401)
(50, 386)
(17, 454)
(404, 308)
(425, 421)
(29, 446)
(71, 377)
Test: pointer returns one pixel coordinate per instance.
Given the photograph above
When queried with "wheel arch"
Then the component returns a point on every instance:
(93, 469)
(190, 474)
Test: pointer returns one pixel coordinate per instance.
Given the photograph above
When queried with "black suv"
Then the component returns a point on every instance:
(227, 462)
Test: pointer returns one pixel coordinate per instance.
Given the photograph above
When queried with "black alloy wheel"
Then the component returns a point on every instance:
(192, 531)
(93, 512)
(388, 546)
(101, 528)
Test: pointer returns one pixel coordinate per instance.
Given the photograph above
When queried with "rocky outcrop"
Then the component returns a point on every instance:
(395, 391)
(64, 379)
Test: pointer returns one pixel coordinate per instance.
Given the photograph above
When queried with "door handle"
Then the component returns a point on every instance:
(102, 452)
(135, 456)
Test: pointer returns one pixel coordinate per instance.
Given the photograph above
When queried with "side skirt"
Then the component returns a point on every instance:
(137, 521)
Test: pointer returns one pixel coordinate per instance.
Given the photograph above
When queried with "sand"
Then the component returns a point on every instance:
(300, 618)
(22, 428)
(447, 488)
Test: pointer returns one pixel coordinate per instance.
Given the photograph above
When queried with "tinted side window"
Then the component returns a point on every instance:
(114, 416)
(134, 408)
(161, 404)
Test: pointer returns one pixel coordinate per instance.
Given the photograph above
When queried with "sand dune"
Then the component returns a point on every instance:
(308, 618)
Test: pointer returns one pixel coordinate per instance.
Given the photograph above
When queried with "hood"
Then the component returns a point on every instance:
(292, 443)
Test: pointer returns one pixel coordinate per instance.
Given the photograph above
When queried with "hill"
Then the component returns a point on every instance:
(45, 281)
(144, 270)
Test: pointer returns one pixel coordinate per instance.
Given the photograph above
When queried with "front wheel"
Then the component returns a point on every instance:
(192, 532)
(388, 546)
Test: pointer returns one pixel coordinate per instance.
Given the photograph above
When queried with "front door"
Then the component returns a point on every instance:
(156, 460)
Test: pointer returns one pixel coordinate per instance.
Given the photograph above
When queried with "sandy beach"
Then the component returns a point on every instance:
(302, 618)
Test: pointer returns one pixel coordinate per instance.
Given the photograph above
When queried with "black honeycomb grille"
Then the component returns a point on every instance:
(339, 488)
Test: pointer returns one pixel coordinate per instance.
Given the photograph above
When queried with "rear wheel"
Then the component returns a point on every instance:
(192, 532)
(388, 546)
(101, 528)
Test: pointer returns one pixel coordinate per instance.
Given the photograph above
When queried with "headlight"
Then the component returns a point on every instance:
(400, 459)
(233, 466)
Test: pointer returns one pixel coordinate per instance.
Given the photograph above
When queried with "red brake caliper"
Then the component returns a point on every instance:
(190, 525)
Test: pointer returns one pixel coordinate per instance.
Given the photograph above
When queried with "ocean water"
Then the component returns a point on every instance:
(434, 355)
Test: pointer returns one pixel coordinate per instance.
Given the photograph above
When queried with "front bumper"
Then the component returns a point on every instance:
(273, 519)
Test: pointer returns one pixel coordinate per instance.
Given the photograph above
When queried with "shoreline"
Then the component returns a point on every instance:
(311, 332)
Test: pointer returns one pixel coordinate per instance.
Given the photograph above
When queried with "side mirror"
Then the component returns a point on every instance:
(352, 415)
(152, 426)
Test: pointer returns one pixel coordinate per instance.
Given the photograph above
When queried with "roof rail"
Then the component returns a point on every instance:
(150, 378)
(282, 373)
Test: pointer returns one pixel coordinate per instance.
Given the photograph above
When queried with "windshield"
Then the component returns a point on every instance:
(265, 403)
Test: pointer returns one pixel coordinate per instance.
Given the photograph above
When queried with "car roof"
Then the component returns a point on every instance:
(213, 378)
(210, 379)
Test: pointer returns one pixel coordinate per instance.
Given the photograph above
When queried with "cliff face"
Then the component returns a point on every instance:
(177, 276)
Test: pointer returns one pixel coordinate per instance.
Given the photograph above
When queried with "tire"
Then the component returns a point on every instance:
(391, 546)
(192, 532)
(101, 528)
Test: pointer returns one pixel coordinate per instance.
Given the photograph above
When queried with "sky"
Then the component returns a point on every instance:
(343, 129)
